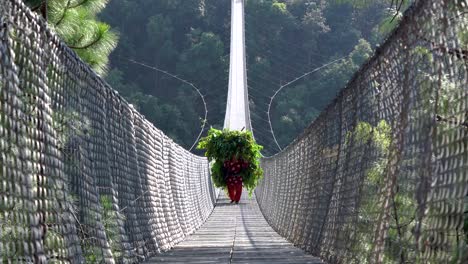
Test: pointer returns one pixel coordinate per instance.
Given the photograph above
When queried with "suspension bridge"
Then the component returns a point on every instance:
(381, 176)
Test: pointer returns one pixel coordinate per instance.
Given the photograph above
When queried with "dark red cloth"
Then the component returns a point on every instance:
(234, 184)
(234, 166)
(233, 180)
(238, 187)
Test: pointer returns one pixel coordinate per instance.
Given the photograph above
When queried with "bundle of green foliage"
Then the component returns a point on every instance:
(225, 145)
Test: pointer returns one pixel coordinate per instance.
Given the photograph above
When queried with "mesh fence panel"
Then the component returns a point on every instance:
(84, 177)
(382, 175)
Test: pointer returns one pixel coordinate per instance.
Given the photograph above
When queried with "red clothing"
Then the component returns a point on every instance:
(235, 166)
(234, 181)
(234, 184)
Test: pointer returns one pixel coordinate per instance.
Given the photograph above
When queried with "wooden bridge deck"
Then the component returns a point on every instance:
(235, 234)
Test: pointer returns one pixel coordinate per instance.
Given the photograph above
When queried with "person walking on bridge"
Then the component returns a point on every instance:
(233, 168)
(234, 158)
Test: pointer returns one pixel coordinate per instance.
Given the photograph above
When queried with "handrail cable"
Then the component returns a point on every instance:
(186, 82)
(289, 83)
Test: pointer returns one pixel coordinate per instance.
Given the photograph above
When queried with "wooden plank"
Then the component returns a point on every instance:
(235, 233)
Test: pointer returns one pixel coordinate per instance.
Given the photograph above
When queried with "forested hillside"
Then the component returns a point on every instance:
(284, 39)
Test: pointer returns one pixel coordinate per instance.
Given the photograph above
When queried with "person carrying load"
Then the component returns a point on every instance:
(234, 157)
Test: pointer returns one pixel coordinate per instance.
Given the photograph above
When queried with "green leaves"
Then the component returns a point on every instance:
(75, 22)
(223, 145)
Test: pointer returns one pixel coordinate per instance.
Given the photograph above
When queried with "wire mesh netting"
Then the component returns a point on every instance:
(382, 175)
(84, 177)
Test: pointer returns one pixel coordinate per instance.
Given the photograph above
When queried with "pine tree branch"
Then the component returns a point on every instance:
(399, 6)
(87, 45)
(63, 14)
(79, 4)
(398, 9)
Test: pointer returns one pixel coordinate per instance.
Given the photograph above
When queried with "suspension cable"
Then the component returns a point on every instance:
(186, 82)
(289, 83)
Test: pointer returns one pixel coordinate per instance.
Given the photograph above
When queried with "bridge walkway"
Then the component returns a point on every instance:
(235, 234)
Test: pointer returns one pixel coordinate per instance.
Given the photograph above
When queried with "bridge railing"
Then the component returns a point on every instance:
(83, 176)
(381, 176)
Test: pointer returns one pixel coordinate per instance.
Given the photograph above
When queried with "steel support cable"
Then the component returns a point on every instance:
(274, 80)
(210, 98)
(274, 62)
(258, 113)
(260, 75)
(259, 83)
(256, 92)
(261, 78)
(265, 133)
(248, 33)
(264, 138)
(257, 99)
(272, 47)
(275, 59)
(333, 145)
(265, 52)
(260, 103)
(188, 83)
(259, 121)
(259, 117)
(279, 56)
(100, 147)
(214, 93)
(276, 73)
(261, 112)
(259, 28)
(289, 83)
(258, 127)
(287, 46)
(215, 104)
(296, 62)
(264, 113)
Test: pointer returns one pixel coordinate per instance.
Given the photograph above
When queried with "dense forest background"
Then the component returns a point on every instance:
(284, 39)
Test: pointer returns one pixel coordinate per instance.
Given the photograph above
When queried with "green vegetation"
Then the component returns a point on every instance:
(378, 139)
(446, 96)
(451, 135)
(76, 23)
(399, 242)
(191, 39)
(111, 219)
(284, 39)
(15, 230)
(224, 145)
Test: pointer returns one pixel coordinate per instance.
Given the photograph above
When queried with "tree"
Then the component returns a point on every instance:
(190, 39)
(76, 23)
(301, 103)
